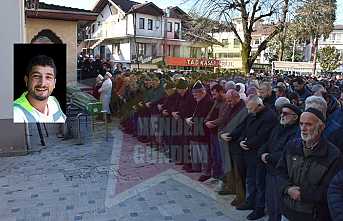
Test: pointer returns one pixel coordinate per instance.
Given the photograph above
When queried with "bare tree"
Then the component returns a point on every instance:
(249, 13)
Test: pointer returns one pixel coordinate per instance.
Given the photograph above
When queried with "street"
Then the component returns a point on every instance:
(116, 180)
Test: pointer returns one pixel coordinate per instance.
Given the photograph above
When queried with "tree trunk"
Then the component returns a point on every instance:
(293, 53)
(315, 56)
(245, 53)
(282, 48)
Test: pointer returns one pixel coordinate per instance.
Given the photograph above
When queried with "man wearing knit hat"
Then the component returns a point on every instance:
(271, 152)
(307, 166)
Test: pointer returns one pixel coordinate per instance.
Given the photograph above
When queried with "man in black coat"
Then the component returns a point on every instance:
(335, 197)
(184, 102)
(271, 152)
(252, 134)
(199, 134)
(307, 166)
(266, 93)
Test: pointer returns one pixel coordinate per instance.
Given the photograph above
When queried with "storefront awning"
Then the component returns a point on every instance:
(191, 62)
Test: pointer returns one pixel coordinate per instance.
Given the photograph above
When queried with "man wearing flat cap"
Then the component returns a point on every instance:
(199, 133)
(307, 167)
(271, 152)
(182, 108)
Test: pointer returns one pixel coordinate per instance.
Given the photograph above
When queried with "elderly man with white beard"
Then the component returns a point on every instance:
(271, 152)
(307, 166)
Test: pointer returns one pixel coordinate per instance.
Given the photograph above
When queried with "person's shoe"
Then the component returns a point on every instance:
(244, 206)
(193, 171)
(256, 214)
(143, 140)
(203, 178)
(187, 167)
(236, 202)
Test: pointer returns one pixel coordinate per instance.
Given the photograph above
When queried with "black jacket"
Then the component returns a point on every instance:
(335, 197)
(256, 128)
(199, 132)
(313, 175)
(276, 143)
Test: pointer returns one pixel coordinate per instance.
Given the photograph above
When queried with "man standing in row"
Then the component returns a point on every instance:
(271, 153)
(252, 135)
(307, 167)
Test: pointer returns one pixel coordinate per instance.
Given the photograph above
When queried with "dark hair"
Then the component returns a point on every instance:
(41, 60)
(299, 80)
(280, 88)
(218, 88)
(293, 96)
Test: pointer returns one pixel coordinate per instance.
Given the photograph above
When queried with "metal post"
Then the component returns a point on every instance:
(79, 127)
(106, 125)
(42, 141)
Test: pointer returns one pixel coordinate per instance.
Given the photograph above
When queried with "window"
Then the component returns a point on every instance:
(194, 52)
(141, 23)
(157, 24)
(170, 27)
(116, 49)
(141, 49)
(93, 28)
(177, 27)
(150, 24)
(257, 41)
(228, 55)
(225, 41)
(236, 43)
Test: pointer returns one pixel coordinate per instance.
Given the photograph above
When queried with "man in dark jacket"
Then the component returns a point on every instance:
(199, 134)
(301, 89)
(218, 94)
(266, 93)
(184, 102)
(271, 153)
(307, 166)
(252, 134)
(335, 197)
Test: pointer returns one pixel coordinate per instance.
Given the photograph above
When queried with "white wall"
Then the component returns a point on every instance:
(130, 26)
(145, 32)
(125, 53)
(112, 25)
(11, 17)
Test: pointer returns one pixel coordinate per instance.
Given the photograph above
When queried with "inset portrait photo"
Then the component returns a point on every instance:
(39, 83)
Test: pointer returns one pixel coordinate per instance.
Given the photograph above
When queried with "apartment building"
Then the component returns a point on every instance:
(141, 35)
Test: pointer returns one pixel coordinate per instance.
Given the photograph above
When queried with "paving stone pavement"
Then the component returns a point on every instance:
(115, 180)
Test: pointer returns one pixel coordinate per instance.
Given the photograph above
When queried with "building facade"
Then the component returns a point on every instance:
(229, 53)
(140, 35)
(335, 39)
(59, 24)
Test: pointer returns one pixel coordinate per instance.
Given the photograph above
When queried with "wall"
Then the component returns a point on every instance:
(157, 33)
(170, 35)
(67, 31)
(12, 136)
(113, 23)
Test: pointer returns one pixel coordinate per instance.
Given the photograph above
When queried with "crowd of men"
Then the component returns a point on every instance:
(275, 143)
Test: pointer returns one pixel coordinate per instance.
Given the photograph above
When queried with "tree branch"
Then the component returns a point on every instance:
(254, 10)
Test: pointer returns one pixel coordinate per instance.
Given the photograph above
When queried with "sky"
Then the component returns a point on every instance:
(89, 4)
